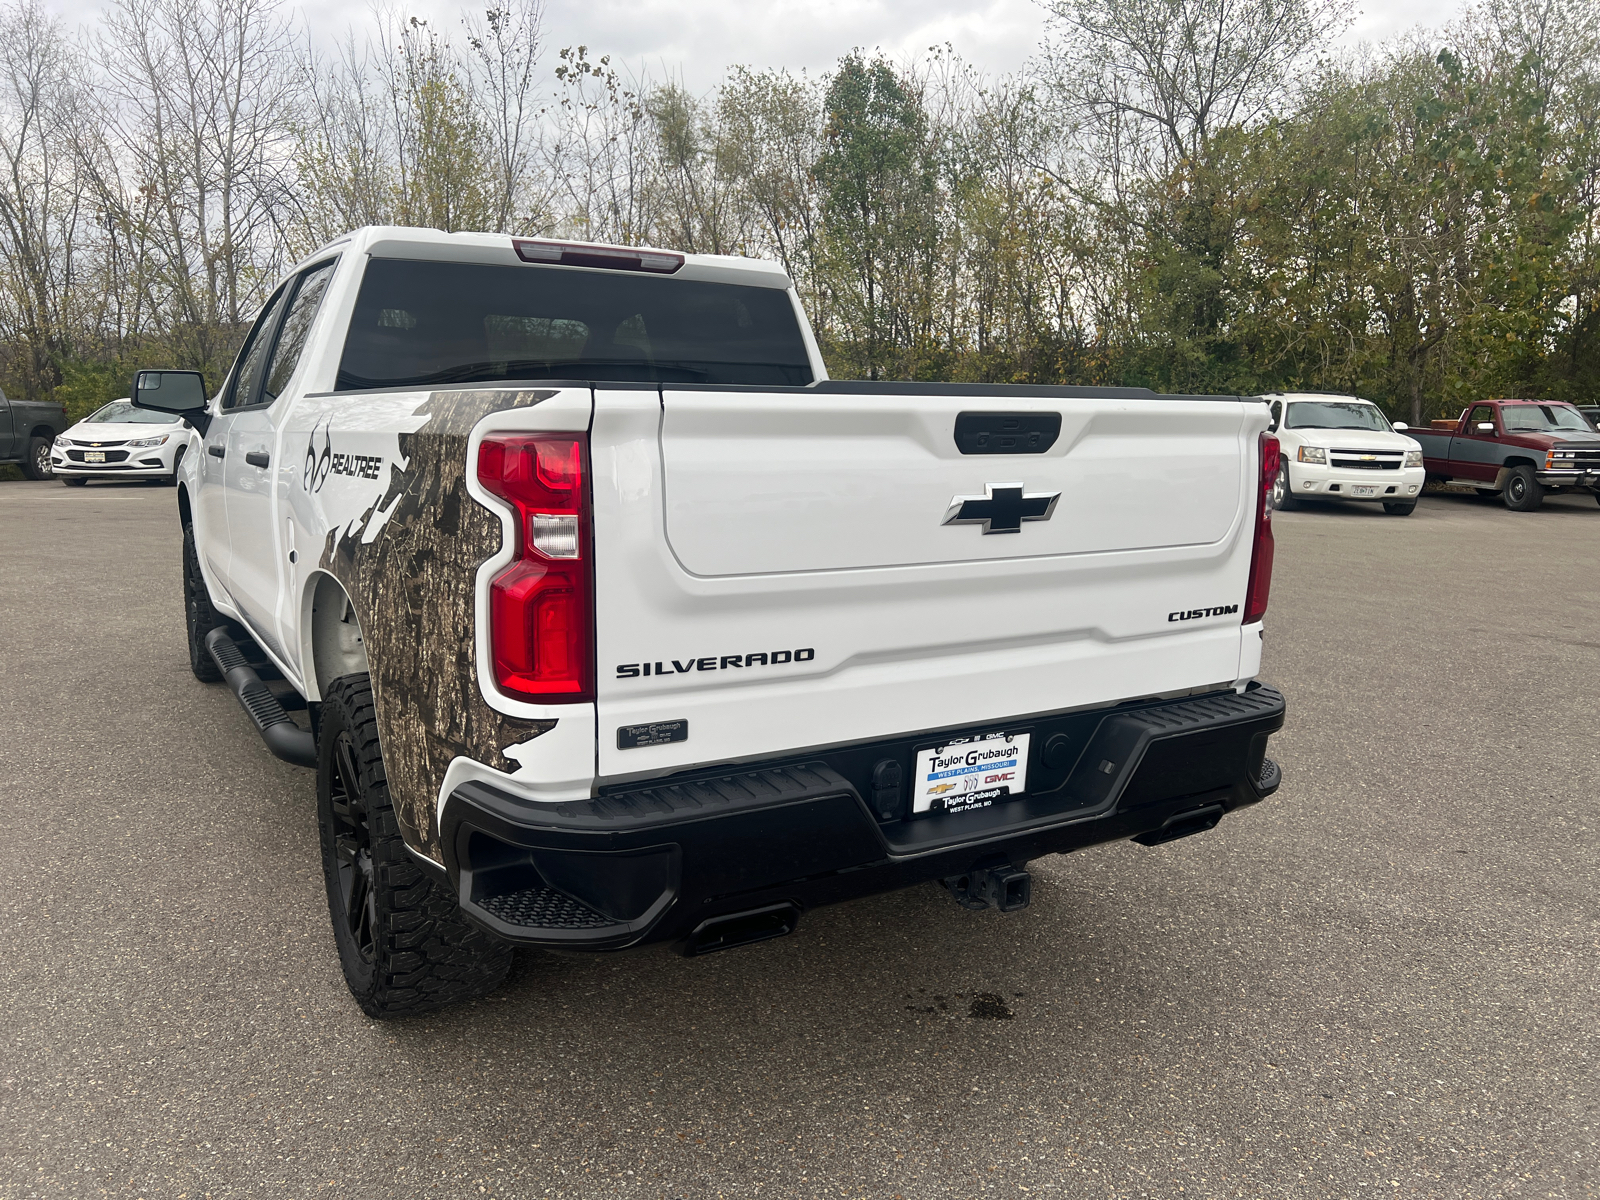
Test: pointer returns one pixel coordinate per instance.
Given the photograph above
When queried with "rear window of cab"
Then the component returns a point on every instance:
(430, 323)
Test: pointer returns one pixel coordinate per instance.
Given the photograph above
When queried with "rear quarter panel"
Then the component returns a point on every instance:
(405, 540)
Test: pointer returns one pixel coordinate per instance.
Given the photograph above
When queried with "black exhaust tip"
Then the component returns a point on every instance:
(741, 929)
(1183, 825)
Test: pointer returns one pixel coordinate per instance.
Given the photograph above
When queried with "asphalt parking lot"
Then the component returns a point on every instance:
(1382, 982)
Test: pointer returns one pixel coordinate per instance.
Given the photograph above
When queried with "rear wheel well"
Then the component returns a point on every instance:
(337, 645)
(43, 431)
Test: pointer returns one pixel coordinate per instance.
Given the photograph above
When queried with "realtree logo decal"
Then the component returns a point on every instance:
(319, 465)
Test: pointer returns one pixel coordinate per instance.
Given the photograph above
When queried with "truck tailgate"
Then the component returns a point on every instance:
(775, 568)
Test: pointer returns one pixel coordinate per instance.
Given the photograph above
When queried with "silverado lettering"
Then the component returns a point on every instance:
(715, 662)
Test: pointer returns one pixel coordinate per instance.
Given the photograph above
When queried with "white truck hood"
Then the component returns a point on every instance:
(1352, 439)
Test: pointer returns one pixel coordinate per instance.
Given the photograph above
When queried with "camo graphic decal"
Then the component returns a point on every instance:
(409, 564)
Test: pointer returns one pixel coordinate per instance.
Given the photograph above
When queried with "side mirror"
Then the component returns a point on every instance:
(1400, 427)
(182, 393)
(1485, 426)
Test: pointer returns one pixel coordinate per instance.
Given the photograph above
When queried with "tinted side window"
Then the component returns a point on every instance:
(420, 323)
(296, 328)
(247, 375)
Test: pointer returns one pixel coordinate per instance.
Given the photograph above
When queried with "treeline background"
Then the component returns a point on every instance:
(1193, 195)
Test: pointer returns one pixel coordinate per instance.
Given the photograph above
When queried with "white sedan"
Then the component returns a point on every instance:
(120, 441)
(1343, 448)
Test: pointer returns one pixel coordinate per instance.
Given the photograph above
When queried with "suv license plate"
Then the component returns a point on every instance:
(1364, 489)
(970, 773)
(94, 456)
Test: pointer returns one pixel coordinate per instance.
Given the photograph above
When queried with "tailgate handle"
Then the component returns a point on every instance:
(1007, 433)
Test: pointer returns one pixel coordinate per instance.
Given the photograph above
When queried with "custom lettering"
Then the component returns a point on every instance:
(1194, 614)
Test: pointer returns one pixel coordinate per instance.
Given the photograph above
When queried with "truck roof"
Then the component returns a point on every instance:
(1344, 396)
(434, 245)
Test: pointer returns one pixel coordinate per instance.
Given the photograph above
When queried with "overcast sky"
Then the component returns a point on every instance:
(697, 40)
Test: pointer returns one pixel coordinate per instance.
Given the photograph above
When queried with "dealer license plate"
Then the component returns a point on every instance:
(94, 456)
(1364, 489)
(970, 773)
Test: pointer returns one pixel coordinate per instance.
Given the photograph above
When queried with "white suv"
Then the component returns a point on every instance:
(1343, 448)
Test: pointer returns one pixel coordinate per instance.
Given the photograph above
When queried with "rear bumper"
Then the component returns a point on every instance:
(651, 864)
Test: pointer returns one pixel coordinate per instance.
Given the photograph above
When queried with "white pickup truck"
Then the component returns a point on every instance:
(605, 618)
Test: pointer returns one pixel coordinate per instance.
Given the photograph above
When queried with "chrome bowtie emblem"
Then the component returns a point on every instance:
(1002, 509)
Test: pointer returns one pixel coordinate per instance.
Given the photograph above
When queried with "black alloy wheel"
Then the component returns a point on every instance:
(354, 901)
(404, 945)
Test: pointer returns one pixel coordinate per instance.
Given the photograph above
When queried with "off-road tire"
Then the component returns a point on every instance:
(403, 943)
(74, 480)
(1399, 508)
(1283, 491)
(36, 464)
(1523, 492)
(199, 617)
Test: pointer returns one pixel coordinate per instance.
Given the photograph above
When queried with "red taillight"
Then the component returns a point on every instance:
(541, 612)
(1255, 596)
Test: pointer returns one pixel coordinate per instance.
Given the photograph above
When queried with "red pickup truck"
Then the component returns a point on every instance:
(1516, 449)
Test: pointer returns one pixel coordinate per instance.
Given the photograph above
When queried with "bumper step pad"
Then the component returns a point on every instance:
(544, 908)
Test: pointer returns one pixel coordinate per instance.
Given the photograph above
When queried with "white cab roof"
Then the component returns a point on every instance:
(433, 245)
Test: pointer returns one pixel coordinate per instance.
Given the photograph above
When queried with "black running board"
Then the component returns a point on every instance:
(283, 737)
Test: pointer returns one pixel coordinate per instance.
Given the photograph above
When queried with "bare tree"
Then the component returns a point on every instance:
(41, 213)
(197, 108)
(600, 152)
(1165, 76)
(504, 73)
(345, 153)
